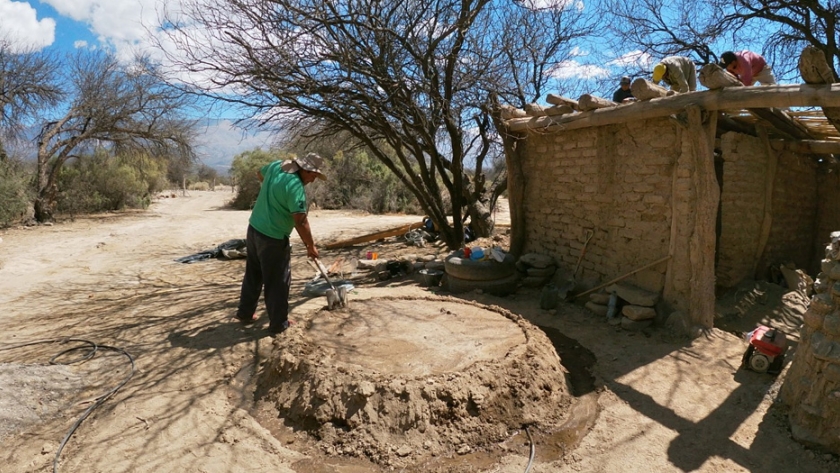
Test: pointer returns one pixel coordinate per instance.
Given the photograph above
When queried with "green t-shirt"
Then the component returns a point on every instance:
(281, 195)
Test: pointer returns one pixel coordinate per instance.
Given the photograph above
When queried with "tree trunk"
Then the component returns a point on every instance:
(45, 201)
(481, 218)
(45, 205)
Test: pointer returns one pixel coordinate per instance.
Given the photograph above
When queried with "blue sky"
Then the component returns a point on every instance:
(118, 25)
(123, 26)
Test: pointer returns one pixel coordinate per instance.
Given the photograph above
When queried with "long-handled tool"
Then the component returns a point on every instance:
(335, 297)
(571, 283)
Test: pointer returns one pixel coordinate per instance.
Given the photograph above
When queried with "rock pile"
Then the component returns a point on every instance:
(633, 308)
(535, 269)
(812, 386)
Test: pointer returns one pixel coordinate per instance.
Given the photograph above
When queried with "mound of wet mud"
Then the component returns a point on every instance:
(397, 380)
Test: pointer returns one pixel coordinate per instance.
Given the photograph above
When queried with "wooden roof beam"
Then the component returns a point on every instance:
(727, 98)
(807, 146)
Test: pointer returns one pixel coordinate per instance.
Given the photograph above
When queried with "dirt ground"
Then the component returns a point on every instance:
(648, 402)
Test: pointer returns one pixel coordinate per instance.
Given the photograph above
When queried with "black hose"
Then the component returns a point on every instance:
(93, 347)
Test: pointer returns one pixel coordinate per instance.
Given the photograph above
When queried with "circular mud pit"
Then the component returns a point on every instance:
(398, 380)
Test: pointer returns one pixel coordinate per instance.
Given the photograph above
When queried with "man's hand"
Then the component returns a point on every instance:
(302, 227)
(311, 251)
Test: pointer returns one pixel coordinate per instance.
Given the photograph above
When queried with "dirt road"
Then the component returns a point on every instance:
(665, 405)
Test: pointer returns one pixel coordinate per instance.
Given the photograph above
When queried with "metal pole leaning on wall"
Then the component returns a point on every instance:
(623, 276)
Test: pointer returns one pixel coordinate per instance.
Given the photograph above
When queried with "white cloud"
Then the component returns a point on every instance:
(576, 70)
(633, 58)
(19, 25)
(80, 44)
(116, 23)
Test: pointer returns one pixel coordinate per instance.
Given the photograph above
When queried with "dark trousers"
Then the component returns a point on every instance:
(267, 265)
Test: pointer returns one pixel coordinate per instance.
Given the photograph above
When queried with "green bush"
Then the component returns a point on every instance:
(244, 171)
(353, 182)
(199, 186)
(15, 192)
(361, 182)
(100, 183)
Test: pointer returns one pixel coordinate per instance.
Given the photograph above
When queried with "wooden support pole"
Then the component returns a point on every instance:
(769, 180)
(620, 278)
(706, 197)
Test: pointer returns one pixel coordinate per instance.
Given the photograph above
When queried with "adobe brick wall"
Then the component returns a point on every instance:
(793, 210)
(828, 215)
(795, 203)
(741, 206)
(616, 180)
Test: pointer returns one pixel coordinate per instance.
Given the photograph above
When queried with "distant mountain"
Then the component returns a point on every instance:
(219, 140)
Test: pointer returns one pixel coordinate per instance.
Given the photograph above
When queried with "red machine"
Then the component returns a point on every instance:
(766, 352)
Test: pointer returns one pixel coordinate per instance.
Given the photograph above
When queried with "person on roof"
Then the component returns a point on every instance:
(678, 72)
(748, 67)
(623, 94)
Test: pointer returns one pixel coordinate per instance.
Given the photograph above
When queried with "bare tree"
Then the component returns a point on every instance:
(28, 84)
(779, 28)
(792, 25)
(122, 107)
(408, 79)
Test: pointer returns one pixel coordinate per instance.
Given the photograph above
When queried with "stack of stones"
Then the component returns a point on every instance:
(812, 386)
(636, 306)
(535, 269)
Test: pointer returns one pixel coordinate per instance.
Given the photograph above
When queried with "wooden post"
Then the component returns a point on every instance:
(509, 111)
(702, 237)
(815, 70)
(769, 180)
(558, 100)
(590, 102)
(645, 90)
(713, 77)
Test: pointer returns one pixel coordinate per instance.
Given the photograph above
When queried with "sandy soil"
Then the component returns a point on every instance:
(662, 404)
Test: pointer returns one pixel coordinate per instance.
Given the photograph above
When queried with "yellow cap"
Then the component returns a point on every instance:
(658, 72)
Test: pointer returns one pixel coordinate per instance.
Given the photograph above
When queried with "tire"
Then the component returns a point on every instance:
(497, 287)
(484, 270)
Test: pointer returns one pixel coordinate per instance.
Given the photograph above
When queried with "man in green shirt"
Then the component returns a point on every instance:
(280, 207)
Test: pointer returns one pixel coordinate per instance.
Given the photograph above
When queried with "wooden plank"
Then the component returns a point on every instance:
(765, 96)
(807, 146)
(401, 230)
(779, 120)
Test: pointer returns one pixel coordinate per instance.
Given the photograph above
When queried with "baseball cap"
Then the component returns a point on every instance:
(311, 162)
(625, 80)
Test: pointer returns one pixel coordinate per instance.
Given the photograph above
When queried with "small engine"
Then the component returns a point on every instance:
(766, 351)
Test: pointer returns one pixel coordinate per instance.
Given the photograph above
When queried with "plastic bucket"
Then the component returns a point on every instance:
(430, 277)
